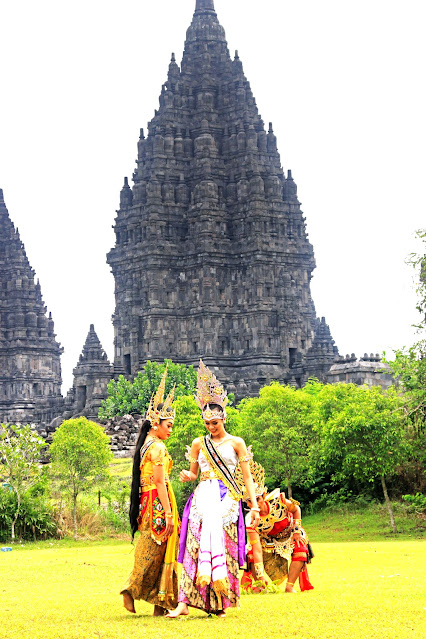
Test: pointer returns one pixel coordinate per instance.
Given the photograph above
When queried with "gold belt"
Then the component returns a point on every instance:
(208, 474)
(148, 482)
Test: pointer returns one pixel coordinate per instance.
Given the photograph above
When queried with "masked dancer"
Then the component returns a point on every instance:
(278, 541)
(212, 544)
(153, 511)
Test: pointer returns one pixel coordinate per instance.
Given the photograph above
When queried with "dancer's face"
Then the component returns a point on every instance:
(261, 503)
(215, 426)
(164, 429)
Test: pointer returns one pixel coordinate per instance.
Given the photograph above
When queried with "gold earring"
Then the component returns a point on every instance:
(155, 427)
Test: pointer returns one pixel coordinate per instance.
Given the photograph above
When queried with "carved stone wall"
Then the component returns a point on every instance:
(90, 385)
(123, 432)
(368, 370)
(212, 257)
(30, 367)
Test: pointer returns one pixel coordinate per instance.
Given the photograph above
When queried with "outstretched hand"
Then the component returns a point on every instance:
(255, 518)
(186, 475)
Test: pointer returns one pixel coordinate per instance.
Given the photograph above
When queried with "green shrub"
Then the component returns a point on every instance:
(132, 397)
(36, 519)
(416, 503)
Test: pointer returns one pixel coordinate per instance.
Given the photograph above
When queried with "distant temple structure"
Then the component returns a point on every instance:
(30, 356)
(91, 377)
(212, 258)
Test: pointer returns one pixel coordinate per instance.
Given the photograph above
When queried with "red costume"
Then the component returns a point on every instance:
(276, 535)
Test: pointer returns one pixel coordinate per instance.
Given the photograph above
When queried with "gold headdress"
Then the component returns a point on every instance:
(154, 414)
(258, 474)
(210, 391)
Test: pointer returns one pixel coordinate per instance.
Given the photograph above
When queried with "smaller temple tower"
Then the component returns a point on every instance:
(321, 354)
(91, 377)
(30, 356)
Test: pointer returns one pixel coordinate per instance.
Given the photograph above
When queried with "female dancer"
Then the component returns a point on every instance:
(212, 545)
(153, 511)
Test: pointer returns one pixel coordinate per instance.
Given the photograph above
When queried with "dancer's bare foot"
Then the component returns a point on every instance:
(221, 614)
(289, 588)
(128, 602)
(182, 609)
(159, 611)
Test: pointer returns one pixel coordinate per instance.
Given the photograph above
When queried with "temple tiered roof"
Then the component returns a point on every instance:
(211, 255)
(30, 370)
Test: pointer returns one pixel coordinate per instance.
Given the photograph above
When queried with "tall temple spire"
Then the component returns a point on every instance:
(30, 375)
(204, 5)
(212, 256)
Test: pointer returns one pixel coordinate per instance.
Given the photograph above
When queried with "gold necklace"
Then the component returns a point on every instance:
(155, 438)
(222, 441)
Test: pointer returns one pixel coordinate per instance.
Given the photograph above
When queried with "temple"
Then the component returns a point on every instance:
(90, 383)
(30, 366)
(212, 257)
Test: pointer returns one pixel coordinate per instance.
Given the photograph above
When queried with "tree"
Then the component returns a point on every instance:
(80, 455)
(20, 452)
(418, 262)
(361, 431)
(278, 423)
(409, 371)
(127, 397)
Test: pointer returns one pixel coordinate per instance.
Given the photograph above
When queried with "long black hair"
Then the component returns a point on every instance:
(136, 477)
(136, 474)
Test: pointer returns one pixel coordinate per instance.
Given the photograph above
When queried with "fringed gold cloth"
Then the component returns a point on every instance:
(154, 574)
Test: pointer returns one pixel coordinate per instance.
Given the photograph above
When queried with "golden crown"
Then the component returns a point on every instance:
(210, 391)
(258, 474)
(155, 414)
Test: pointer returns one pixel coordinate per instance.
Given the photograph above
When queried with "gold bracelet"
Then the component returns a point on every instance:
(297, 522)
(169, 516)
(256, 510)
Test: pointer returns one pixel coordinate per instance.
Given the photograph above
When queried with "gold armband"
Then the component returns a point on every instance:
(255, 541)
(159, 463)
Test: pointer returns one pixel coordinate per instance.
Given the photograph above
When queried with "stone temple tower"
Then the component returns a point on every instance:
(212, 257)
(30, 368)
(91, 377)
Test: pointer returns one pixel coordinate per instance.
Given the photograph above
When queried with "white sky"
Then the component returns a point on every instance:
(341, 80)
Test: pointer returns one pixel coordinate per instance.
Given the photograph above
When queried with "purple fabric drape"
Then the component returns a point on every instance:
(241, 528)
(242, 556)
(184, 529)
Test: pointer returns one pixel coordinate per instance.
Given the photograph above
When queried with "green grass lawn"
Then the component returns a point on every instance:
(67, 590)
(350, 522)
(121, 467)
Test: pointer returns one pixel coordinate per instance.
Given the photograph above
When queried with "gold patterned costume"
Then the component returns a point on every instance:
(154, 575)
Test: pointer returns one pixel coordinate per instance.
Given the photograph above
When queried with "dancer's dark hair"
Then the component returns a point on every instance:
(136, 474)
(136, 477)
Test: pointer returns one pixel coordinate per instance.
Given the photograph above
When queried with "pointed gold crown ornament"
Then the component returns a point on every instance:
(210, 391)
(258, 474)
(155, 414)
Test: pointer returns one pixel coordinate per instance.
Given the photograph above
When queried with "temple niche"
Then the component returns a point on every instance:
(30, 356)
(212, 257)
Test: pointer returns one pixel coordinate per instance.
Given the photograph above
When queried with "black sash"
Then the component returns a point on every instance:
(218, 464)
(144, 448)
